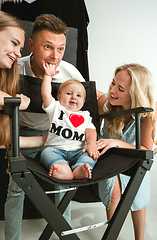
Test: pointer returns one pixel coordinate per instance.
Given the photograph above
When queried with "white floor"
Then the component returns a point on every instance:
(90, 213)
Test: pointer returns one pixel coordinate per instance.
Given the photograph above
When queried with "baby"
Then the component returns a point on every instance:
(70, 150)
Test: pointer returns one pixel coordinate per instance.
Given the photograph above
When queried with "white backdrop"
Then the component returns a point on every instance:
(119, 32)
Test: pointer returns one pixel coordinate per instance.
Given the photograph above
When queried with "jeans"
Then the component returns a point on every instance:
(51, 155)
(58, 198)
(13, 211)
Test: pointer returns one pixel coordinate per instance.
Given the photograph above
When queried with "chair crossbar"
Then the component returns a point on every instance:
(62, 190)
(86, 228)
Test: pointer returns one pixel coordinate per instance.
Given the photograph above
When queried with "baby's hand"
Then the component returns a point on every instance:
(92, 151)
(50, 69)
(25, 101)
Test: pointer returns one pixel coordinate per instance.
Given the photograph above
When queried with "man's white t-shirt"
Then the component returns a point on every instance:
(39, 121)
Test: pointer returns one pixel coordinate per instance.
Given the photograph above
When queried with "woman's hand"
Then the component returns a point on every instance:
(106, 144)
(25, 101)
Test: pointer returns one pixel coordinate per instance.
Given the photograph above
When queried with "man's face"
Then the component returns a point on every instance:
(46, 47)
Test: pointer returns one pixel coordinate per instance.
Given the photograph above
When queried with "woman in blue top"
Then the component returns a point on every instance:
(131, 87)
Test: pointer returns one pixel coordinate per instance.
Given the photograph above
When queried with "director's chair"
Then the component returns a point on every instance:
(26, 171)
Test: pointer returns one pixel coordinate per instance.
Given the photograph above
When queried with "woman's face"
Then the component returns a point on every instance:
(119, 90)
(11, 43)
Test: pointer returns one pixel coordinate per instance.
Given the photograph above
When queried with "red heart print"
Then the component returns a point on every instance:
(76, 120)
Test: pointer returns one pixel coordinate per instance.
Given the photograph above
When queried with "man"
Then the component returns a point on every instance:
(47, 45)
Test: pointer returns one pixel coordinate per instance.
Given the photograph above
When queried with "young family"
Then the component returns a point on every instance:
(132, 86)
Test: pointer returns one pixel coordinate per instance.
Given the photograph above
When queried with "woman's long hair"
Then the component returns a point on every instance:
(142, 95)
(8, 79)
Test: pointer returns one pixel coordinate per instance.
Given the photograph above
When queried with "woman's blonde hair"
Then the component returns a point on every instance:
(142, 95)
(8, 79)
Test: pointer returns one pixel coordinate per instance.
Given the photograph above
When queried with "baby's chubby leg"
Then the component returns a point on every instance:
(61, 171)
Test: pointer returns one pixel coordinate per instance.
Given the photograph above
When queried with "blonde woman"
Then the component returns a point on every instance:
(132, 86)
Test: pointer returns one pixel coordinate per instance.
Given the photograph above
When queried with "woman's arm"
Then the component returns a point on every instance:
(106, 144)
(2, 146)
(25, 101)
(29, 142)
(146, 139)
(36, 141)
(2, 96)
(146, 132)
(99, 93)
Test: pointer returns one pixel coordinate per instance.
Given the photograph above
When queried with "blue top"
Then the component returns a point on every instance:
(105, 187)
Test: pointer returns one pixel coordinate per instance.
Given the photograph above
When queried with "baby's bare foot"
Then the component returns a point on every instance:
(82, 172)
(61, 171)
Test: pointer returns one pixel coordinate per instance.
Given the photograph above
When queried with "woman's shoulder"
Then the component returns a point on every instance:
(101, 102)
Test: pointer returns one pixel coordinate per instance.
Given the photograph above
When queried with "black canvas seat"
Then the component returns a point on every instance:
(26, 171)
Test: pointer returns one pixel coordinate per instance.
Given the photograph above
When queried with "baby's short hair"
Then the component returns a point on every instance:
(71, 81)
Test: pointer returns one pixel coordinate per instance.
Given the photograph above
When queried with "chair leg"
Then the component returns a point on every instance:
(118, 218)
(61, 207)
(47, 232)
(43, 203)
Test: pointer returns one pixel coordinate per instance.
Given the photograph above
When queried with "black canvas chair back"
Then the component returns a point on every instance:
(31, 86)
(133, 162)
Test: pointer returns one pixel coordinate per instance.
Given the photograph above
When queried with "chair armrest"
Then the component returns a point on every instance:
(136, 153)
(11, 107)
(133, 111)
(16, 164)
(126, 112)
(10, 103)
